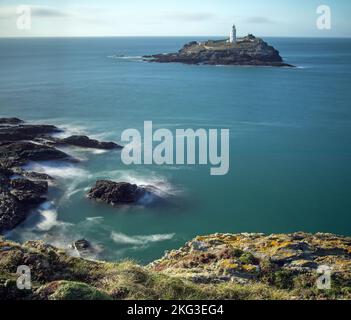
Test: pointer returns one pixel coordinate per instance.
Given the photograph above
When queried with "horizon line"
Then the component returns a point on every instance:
(163, 36)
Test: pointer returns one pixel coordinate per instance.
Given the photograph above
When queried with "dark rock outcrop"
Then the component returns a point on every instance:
(10, 121)
(86, 142)
(29, 192)
(20, 152)
(32, 175)
(25, 132)
(21, 143)
(12, 212)
(82, 245)
(247, 51)
(115, 193)
(17, 198)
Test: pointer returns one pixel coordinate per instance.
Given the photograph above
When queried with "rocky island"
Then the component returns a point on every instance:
(246, 51)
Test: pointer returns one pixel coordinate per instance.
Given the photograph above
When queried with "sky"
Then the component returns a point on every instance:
(57, 18)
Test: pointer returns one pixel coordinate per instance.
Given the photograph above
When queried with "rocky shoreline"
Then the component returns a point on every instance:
(219, 266)
(247, 51)
(22, 190)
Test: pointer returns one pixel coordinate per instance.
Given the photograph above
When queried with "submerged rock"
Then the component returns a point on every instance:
(247, 51)
(115, 193)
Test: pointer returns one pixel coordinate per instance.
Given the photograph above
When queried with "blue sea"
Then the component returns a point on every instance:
(290, 139)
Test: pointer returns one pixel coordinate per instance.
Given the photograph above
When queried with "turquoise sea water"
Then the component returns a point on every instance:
(290, 139)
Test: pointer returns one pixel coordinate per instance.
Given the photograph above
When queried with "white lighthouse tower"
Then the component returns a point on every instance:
(232, 38)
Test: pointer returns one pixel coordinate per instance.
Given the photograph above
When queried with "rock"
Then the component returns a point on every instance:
(59, 276)
(246, 257)
(82, 245)
(17, 198)
(29, 192)
(5, 175)
(115, 193)
(11, 121)
(199, 246)
(5, 172)
(247, 51)
(12, 212)
(84, 141)
(21, 152)
(25, 132)
(31, 175)
(21, 143)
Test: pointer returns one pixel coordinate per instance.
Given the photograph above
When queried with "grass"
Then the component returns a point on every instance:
(58, 276)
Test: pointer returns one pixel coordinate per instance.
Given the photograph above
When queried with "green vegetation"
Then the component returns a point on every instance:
(57, 276)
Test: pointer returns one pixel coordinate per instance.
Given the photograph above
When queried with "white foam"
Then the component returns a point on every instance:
(59, 170)
(122, 57)
(140, 240)
(47, 217)
(93, 219)
(162, 187)
(70, 130)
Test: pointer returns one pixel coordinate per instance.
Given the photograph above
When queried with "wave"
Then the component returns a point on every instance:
(140, 240)
(123, 57)
(48, 217)
(147, 178)
(59, 170)
(93, 219)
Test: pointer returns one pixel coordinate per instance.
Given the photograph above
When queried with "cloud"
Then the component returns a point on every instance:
(49, 12)
(259, 20)
(10, 12)
(188, 17)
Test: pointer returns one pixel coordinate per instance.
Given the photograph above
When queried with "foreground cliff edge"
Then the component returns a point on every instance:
(246, 51)
(220, 266)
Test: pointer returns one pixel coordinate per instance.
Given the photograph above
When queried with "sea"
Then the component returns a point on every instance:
(290, 139)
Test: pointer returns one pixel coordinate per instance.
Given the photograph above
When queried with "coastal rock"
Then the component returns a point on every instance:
(11, 121)
(25, 132)
(29, 192)
(248, 50)
(85, 249)
(221, 270)
(256, 256)
(21, 143)
(12, 212)
(115, 193)
(21, 152)
(17, 198)
(32, 175)
(82, 245)
(86, 142)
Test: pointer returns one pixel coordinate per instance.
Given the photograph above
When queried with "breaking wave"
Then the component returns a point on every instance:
(59, 170)
(140, 240)
(123, 57)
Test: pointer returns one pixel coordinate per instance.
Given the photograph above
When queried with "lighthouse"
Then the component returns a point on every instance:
(232, 38)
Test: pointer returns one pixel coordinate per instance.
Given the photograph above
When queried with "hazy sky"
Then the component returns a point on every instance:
(175, 17)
